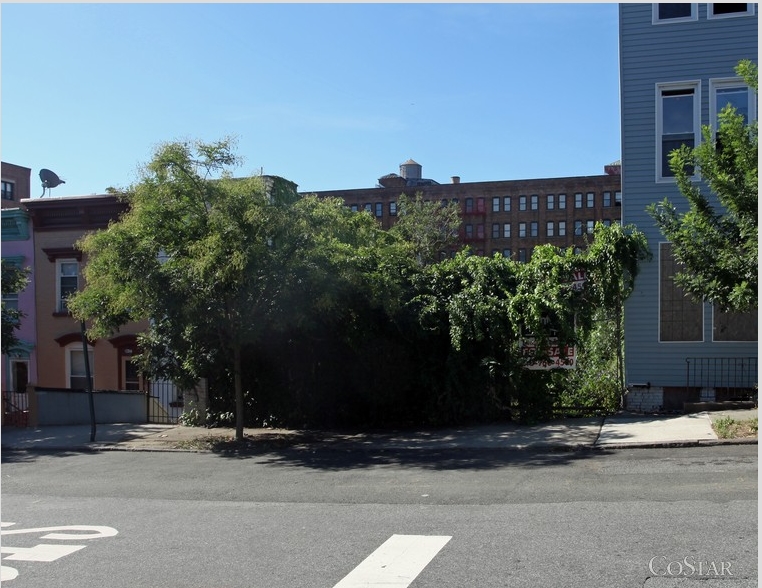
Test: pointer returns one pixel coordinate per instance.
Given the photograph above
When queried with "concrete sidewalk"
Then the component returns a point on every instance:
(616, 431)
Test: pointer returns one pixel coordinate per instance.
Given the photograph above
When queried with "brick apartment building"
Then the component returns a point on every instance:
(15, 184)
(509, 217)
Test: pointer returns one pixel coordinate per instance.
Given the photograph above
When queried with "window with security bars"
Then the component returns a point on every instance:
(680, 317)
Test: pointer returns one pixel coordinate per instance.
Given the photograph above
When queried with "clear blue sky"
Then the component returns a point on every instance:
(330, 96)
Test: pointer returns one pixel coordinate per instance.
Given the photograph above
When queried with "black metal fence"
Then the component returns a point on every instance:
(733, 378)
(164, 402)
(15, 409)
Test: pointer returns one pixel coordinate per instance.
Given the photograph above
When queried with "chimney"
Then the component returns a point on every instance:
(455, 179)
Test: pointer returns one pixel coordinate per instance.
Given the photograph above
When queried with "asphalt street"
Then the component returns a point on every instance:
(291, 519)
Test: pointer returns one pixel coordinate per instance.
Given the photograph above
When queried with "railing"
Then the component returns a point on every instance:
(733, 378)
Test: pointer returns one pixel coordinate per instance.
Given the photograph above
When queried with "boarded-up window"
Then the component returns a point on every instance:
(734, 326)
(680, 317)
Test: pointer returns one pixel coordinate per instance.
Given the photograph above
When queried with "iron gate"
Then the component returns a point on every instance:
(164, 402)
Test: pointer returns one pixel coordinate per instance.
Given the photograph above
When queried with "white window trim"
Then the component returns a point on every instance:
(710, 16)
(657, 21)
(694, 85)
(658, 308)
(77, 346)
(720, 83)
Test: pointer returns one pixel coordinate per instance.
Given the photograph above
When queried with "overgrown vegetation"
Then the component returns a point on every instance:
(730, 428)
(302, 313)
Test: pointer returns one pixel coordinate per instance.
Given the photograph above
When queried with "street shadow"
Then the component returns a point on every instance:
(29, 455)
(341, 457)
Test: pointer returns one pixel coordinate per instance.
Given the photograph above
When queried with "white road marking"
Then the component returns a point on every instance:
(40, 552)
(87, 532)
(396, 563)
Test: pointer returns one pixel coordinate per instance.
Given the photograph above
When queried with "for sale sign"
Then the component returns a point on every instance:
(556, 355)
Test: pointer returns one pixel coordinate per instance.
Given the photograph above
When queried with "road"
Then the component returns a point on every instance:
(309, 519)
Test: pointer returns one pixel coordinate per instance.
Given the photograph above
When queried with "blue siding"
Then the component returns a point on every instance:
(651, 54)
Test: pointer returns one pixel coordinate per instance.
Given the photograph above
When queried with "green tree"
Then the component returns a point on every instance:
(717, 247)
(14, 279)
(199, 253)
(612, 262)
(428, 227)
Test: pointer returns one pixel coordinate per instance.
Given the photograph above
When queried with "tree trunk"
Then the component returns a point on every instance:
(238, 386)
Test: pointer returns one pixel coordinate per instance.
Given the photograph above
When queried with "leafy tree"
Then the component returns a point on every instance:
(718, 248)
(14, 279)
(199, 254)
(612, 262)
(428, 227)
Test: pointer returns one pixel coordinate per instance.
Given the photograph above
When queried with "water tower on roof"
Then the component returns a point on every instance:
(410, 170)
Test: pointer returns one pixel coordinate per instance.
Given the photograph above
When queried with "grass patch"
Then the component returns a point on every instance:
(729, 428)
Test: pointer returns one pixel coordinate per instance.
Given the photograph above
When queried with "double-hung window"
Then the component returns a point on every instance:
(677, 122)
(496, 204)
(549, 229)
(67, 275)
(495, 230)
(522, 202)
(731, 92)
(506, 204)
(729, 10)
(9, 190)
(677, 12)
(75, 366)
(534, 201)
(506, 230)
(522, 230)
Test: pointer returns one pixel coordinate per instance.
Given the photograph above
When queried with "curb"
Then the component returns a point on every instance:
(532, 447)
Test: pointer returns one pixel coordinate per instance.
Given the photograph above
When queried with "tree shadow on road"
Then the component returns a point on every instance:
(343, 457)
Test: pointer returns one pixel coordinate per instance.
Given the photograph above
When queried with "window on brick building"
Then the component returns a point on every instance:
(578, 200)
(535, 201)
(522, 202)
(507, 230)
(607, 199)
(506, 204)
(590, 227)
(551, 201)
(379, 209)
(522, 230)
(495, 230)
(562, 228)
(550, 229)
(469, 204)
(562, 201)
(577, 228)
(533, 229)
(9, 190)
(392, 208)
(496, 204)
(591, 199)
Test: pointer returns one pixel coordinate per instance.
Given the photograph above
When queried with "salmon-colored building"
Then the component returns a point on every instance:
(58, 223)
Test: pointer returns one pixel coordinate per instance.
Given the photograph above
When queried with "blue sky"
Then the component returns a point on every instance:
(330, 96)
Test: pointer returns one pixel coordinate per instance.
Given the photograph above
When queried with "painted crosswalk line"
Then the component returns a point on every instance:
(396, 563)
